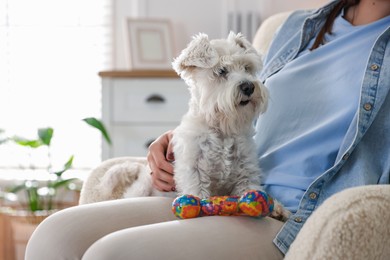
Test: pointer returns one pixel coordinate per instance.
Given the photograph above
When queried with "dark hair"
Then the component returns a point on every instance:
(327, 27)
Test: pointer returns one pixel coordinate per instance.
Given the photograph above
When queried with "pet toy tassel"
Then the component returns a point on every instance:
(253, 203)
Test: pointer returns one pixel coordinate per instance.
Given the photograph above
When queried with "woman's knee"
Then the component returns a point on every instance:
(48, 239)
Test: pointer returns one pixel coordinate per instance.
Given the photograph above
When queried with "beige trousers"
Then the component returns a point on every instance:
(145, 228)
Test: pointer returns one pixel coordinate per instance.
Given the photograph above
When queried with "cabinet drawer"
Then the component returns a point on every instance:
(149, 100)
(135, 140)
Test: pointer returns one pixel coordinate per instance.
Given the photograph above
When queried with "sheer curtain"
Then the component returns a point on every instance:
(50, 54)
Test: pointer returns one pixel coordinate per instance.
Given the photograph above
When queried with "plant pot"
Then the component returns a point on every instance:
(18, 228)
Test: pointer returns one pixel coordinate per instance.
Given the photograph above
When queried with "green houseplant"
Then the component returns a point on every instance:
(41, 195)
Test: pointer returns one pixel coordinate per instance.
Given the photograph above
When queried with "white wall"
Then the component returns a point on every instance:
(187, 17)
(190, 17)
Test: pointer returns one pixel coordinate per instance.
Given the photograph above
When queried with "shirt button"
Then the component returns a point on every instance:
(298, 220)
(374, 67)
(313, 195)
(346, 156)
(367, 106)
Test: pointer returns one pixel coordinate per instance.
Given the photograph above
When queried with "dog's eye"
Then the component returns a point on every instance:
(222, 72)
(247, 68)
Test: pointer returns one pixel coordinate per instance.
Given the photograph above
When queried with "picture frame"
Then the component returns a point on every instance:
(149, 44)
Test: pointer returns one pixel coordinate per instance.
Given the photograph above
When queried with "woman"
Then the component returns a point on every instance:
(326, 129)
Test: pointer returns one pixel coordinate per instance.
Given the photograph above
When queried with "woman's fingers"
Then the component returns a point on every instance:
(163, 181)
(159, 162)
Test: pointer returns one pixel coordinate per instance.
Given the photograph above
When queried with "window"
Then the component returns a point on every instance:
(50, 54)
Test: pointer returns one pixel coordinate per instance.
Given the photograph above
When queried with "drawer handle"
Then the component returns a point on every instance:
(155, 98)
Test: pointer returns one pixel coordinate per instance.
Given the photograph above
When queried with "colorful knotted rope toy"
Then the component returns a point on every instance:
(254, 203)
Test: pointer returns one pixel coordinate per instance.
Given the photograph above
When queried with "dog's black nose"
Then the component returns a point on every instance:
(247, 88)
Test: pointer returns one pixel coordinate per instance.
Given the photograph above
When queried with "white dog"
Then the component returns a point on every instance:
(214, 148)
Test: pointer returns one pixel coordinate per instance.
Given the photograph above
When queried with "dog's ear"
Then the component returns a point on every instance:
(199, 53)
(241, 41)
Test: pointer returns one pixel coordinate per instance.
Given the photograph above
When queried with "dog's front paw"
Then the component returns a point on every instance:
(279, 212)
(204, 194)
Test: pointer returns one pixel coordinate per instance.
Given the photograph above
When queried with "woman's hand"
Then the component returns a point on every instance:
(160, 158)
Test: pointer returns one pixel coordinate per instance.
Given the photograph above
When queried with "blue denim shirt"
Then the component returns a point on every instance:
(364, 156)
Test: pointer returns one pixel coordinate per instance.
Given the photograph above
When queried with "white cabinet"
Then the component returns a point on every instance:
(138, 106)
